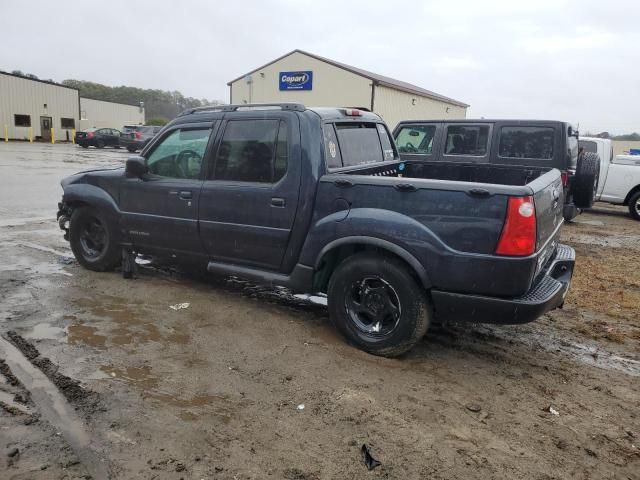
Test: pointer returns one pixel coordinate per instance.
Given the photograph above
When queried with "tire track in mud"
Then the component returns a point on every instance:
(42, 383)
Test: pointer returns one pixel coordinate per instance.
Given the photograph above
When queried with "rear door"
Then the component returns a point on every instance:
(160, 211)
(249, 200)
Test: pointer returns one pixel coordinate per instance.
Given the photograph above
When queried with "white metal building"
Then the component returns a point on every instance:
(32, 108)
(312, 80)
(97, 113)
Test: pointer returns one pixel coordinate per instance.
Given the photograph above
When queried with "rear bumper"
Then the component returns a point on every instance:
(548, 293)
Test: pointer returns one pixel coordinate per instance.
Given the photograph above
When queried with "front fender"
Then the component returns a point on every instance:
(82, 193)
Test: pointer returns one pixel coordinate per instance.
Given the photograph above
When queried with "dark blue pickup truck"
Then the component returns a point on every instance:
(318, 200)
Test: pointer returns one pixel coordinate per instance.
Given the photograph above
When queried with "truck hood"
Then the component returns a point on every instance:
(86, 176)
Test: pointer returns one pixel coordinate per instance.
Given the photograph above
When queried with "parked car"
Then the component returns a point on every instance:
(136, 137)
(318, 200)
(98, 137)
(523, 143)
(619, 175)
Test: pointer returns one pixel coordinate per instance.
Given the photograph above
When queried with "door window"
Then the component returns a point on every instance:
(180, 154)
(526, 142)
(469, 140)
(416, 139)
(252, 151)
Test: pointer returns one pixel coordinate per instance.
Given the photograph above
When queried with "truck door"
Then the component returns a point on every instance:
(160, 211)
(249, 199)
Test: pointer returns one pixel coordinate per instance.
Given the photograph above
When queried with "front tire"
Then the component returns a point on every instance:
(634, 206)
(99, 144)
(131, 149)
(377, 304)
(93, 240)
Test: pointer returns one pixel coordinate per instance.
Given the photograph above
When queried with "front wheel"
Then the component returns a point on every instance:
(99, 144)
(376, 303)
(634, 206)
(131, 149)
(93, 240)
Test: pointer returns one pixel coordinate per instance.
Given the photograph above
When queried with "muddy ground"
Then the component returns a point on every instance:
(109, 382)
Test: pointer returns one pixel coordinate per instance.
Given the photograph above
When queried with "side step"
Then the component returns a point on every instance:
(300, 280)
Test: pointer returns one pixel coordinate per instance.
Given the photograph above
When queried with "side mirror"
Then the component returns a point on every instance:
(135, 167)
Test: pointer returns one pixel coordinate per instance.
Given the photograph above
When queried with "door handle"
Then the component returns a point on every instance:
(278, 202)
(186, 195)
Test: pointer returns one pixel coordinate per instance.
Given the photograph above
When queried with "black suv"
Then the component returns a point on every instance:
(525, 143)
(136, 137)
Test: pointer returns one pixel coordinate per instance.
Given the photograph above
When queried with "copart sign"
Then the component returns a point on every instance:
(296, 80)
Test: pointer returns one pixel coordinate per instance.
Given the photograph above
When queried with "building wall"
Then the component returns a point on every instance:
(395, 105)
(97, 113)
(23, 96)
(332, 86)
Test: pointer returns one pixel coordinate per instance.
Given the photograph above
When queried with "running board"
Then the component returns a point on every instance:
(300, 279)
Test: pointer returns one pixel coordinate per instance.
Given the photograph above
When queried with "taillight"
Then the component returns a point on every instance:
(138, 135)
(352, 112)
(90, 135)
(564, 175)
(518, 238)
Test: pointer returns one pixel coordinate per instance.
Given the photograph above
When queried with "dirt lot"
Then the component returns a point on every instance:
(107, 381)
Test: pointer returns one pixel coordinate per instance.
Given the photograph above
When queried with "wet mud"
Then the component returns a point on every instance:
(217, 389)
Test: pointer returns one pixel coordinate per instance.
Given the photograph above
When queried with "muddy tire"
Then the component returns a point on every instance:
(377, 305)
(585, 181)
(634, 205)
(93, 240)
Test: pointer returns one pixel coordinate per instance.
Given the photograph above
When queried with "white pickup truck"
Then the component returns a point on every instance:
(619, 181)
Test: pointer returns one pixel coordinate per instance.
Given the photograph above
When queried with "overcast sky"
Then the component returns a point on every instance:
(567, 60)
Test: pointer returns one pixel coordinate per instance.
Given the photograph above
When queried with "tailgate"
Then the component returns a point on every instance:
(549, 200)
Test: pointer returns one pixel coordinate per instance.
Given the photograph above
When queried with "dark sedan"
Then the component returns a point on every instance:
(99, 138)
(136, 137)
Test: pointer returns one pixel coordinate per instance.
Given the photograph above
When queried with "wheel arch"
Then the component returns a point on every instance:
(338, 250)
(631, 193)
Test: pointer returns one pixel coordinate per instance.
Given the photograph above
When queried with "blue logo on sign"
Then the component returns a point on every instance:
(296, 80)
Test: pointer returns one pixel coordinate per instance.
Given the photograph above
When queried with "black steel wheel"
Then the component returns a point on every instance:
(377, 304)
(92, 240)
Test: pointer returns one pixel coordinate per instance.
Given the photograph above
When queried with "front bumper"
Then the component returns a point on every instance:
(548, 293)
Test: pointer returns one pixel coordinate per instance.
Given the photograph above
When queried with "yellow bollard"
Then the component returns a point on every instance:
(53, 135)
(30, 134)
(73, 136)
(6, 133)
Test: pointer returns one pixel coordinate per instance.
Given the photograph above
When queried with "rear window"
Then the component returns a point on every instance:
(416, 139)
(471, 140)
(526, 142)
(358, 143)
(589, 146)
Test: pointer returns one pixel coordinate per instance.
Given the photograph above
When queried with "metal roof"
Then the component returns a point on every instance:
(376, 78)
(24, 77)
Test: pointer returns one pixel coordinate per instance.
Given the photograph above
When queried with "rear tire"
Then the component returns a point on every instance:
(377, 305)
(585, 181)
(93, 240)
(84, 146)
(634, 206)
(131, 149)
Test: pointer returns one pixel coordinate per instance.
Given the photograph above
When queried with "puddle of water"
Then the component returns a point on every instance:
(19, 222)
(45, 331)
(35, 246)
(85, 334)
(55, 409)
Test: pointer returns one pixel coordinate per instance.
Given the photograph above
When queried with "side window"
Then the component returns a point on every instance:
(331, 148)
(282, 153)
(248, 150)
(180, 154)
(526, 142)
(467, 140)
(416, 139)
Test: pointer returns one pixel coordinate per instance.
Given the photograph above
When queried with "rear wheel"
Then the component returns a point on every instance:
(634, 205)
(376, 303)
(131, 149)
(92, 240)
(585, 181)
(84, 145)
